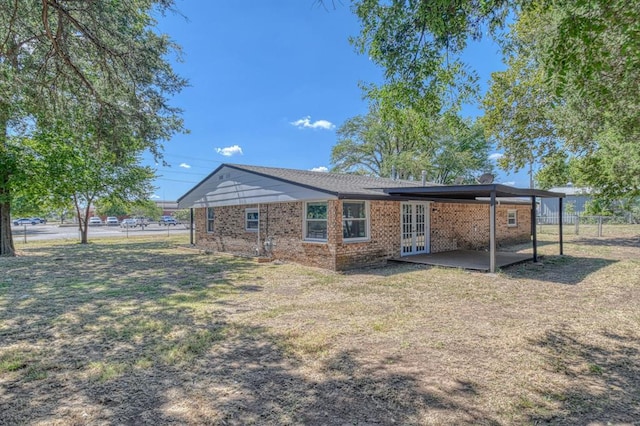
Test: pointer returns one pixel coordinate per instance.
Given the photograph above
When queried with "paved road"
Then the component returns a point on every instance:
(57, 232)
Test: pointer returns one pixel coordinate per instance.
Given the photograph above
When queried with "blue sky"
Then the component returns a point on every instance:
(269, 84)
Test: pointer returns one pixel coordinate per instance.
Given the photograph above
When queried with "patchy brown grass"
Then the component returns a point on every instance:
(144, 331)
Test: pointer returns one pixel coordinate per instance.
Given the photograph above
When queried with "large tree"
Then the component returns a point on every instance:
(99, 65)
(519, 107)
(583, 76)
(79, 168)
(582, 122)
(446, 148)
(418, 44)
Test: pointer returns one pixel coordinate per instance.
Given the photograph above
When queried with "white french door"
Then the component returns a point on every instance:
(415, 228)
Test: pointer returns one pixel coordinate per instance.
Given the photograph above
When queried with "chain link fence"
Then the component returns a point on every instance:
(589, 226)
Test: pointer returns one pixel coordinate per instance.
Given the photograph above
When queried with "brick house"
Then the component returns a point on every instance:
(343, 221)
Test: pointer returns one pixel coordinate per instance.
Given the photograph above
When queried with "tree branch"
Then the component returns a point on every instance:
(56, 47)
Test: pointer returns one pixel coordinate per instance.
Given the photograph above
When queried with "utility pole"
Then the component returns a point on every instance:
(531, 183)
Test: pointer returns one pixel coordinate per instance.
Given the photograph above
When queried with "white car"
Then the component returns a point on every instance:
(95, 220)
(112, 221)
(128, 223)
(24, 222)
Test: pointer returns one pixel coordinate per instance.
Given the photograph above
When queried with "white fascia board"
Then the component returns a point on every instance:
(232, 187)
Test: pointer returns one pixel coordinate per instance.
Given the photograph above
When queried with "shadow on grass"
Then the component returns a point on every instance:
(107, 272)
(570, 270)
(527, 245)
(245, 377)
(633, 242)
(141, 333)
(603, 379)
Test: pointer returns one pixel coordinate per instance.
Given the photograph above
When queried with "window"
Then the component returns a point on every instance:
(512, 218)
(315, 227)
(210, 216)
(354, 220)
(252, 219)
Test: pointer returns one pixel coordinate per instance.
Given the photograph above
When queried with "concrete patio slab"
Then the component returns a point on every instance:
(466, 259)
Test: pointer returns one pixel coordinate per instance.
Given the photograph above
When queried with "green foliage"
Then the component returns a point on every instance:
(598, 207)
(445, 147)
(419, 43)
(182, 215)
(100, 68)
(570, 96)
(67, 166)
(109, 207)
(571, 86)
(556, 171)
(145, 208)
(518, 107)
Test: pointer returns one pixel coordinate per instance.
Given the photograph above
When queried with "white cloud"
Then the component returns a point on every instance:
(510, 183)
(155, 197)
(496, 156)
(319, 169)
(229, 150)
(305, 123)
(185, 166)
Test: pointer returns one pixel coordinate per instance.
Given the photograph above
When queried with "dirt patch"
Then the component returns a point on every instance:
(141, 331)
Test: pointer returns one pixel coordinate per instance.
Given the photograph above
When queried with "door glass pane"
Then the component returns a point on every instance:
(420, 226)
(414, 229)
(407, 226)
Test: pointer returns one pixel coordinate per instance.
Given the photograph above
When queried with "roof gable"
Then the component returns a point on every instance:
(233, 184)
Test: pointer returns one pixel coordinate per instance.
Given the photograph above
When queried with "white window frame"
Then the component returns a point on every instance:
(306, 220)
(210, 220)
(512, 218)
(247, 220)
(367, 220)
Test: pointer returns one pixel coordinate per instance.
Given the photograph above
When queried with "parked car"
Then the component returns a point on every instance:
(128, 223)
(112, 221)
(95, 220)
(167, 220)
(39, 220)
(24, 221)
(141, 221)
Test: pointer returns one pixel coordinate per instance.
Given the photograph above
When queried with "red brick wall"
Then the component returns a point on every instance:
(384, 237)
(280, 221)
(452, 226)
(466, 226)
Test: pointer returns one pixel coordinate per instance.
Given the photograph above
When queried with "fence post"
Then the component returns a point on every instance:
(577, 223)
(599, 226)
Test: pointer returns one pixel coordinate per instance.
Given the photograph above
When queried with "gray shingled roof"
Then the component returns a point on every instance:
(336, 183)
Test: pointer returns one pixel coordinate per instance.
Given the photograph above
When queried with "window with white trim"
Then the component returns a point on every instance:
(355, 221)
(315, 222)
(252, 219)
(210, 219)
(512, 218)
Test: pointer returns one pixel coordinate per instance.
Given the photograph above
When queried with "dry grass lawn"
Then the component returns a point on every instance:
(144, 331)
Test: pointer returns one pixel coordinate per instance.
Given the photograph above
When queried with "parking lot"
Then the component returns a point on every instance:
(70, 232)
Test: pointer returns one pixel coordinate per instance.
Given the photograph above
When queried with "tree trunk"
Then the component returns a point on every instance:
(6, 239)
(83, 220)
(84, 227)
